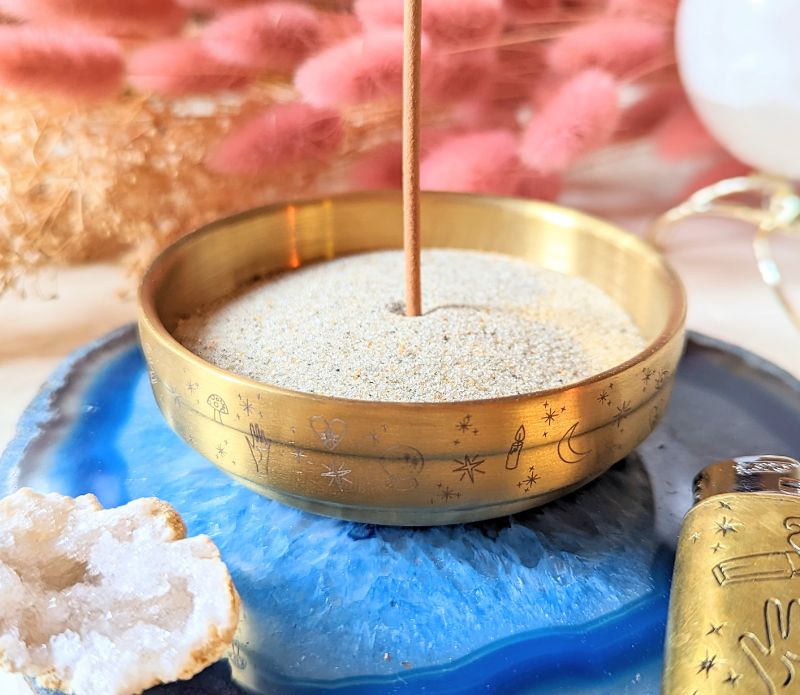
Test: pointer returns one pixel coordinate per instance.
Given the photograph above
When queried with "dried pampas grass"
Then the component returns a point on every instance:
(128, 124)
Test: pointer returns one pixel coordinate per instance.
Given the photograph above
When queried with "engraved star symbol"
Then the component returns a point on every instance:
(544, 434)
(447, 494)
(715, 629)
(603, 397)
(336, 475)
(298, 454)
(469, 467)
(732, 678)
(695, 537)
(221, 449)
(549, 416)
(546, 405)
(647, 374)
(707, 664)
(174, 393)
(717, 547)
(724, 505)
(611, 385)
(531, 480)
(247, 406)
(622, 413)
(191, 387)
(465, 423)
(726, 526)
(456, 442)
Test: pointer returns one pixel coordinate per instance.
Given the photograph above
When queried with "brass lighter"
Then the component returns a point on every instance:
(734, 616)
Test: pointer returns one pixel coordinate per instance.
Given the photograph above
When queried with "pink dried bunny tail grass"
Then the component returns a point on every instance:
(482, 162)
(681, 136)
(287, 135)
(358, 70)
(212, 6)
(462, 22)
(655, 10)
(276, 35)
(578, 119)
(531, 9)
(451, 77)
(617, 46)
(182, 66)
(120, 18)
(380, 168)
(519, 67)
(57, 62)
(483, 114)
(539, 186)
(379, 13)
(337, 26)
(446, 22)
(649, 111)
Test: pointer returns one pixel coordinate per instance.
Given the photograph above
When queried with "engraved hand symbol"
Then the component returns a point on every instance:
(259, 448)
(775, 662)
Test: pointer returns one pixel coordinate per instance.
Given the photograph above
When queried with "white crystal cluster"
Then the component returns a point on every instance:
(100, 601)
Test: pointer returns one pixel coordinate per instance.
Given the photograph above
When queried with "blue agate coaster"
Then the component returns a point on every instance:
(568, 598)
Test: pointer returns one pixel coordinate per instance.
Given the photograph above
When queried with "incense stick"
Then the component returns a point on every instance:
(412, 26)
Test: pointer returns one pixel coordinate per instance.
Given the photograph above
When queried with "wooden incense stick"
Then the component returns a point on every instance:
(412, 29)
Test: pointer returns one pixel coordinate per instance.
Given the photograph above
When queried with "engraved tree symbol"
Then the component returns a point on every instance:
(775, 661)
(218, 406)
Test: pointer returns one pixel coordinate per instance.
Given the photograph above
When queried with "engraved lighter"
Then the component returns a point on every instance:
(734, 615)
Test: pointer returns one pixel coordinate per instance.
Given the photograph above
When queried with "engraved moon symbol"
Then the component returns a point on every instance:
(566, 452)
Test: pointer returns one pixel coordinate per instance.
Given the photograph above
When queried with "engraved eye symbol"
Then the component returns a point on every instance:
(402, 464)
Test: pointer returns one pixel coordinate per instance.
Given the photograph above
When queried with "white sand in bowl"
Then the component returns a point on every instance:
(493, 326)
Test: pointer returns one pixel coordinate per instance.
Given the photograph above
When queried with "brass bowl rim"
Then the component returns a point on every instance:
(148, 311)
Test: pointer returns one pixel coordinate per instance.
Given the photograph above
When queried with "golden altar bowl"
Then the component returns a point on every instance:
(410, 463)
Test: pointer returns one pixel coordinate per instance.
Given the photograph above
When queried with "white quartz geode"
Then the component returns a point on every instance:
(100, 601)
(739, 63)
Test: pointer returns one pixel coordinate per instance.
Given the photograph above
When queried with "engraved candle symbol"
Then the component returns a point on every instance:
(512, 458)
